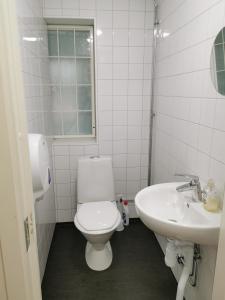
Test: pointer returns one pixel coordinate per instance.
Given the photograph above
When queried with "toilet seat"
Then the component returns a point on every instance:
(97, 216)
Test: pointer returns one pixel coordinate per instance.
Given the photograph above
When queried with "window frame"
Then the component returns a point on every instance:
(58, 27)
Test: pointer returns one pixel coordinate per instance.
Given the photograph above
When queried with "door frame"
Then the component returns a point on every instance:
(219, 279)
(19, 267)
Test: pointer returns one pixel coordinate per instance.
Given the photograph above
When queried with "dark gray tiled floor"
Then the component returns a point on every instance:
(138, 271)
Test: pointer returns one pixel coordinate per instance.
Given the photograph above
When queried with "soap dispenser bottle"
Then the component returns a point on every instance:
(212, 200)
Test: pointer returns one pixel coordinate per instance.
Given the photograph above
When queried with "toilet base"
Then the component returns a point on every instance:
(98, 257)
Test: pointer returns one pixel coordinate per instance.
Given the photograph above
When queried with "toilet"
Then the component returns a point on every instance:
(97, 216)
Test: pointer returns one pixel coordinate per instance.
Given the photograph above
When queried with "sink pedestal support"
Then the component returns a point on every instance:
(185, 253)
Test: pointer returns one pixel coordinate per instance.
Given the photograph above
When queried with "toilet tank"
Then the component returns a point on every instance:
(95, 179)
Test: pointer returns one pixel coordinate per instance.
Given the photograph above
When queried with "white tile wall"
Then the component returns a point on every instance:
(189, 131)
(38, 98)
(123, 61)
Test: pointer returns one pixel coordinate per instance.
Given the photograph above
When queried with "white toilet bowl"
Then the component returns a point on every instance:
(97, 221)
(97, 216)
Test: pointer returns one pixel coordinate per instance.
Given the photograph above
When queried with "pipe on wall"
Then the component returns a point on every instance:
(152, 113)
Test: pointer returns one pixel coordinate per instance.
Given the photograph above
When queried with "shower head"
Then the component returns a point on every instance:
(156, 12)
(155, 3)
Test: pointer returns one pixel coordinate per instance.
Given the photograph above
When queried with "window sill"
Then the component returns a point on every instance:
(74, 140)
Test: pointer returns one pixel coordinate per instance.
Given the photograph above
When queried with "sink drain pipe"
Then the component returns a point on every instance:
(183, 252)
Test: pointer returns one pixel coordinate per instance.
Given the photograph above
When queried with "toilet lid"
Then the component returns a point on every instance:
(95, 216)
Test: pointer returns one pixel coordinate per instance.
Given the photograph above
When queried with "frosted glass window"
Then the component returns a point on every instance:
(83, 41)
(83, 71)
(66, 42)
(56, 118)
(84, 123)
(52, 43)
(67, 71)
(84, 97)
(70, 123)
(71, 58)
(68, 94)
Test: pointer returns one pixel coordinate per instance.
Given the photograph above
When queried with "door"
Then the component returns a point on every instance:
(19, 270)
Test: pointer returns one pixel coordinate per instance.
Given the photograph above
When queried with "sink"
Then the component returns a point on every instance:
(176, 216)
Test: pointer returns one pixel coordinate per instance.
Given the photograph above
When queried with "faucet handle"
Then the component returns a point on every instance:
(195, 178)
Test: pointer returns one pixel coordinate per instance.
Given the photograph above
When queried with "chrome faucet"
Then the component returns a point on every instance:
(193, 184)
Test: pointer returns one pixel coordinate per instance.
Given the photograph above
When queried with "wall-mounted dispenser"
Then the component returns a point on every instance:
(40, 166)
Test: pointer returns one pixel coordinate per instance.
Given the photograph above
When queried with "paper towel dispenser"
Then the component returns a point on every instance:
(40, 166)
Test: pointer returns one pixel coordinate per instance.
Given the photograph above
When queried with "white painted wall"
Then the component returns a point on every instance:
(189, 132)
(33, 41)
(123, 81)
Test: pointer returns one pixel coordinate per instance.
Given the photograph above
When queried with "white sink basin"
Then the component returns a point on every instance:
(174, 215)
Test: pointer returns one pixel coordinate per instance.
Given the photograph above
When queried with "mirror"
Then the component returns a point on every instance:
(217, 62)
